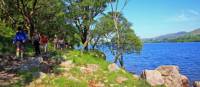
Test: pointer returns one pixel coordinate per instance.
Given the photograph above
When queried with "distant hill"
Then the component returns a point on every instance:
(193, 36)
(195, 32)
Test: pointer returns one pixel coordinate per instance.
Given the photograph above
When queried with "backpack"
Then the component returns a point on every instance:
(44, 39)
(20, 36)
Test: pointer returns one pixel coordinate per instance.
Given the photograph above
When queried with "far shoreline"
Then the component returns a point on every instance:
(167, 42)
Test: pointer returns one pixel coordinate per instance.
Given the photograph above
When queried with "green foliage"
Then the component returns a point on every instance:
(103, 31)
(82, 13)
(50, 17)
(6, 35)
(121, 40)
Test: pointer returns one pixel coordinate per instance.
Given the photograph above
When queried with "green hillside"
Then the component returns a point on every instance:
(193, 36)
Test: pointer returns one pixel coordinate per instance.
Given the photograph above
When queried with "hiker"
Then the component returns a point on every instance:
(61, 43)
(19, 40)
(36, 39)
(44, 42)
(55, 42)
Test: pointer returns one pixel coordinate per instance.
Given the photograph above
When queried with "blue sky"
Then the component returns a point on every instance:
(152, 18)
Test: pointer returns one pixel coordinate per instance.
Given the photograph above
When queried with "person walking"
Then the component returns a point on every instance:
(19, 40)
(55, 42)
(36, 39)
(44, 42)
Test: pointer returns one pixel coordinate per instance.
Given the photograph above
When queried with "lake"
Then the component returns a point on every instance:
(184, 55)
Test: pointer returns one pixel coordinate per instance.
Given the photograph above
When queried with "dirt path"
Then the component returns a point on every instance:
(10, 65)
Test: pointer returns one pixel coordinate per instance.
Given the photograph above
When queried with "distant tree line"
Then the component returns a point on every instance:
(185, 38)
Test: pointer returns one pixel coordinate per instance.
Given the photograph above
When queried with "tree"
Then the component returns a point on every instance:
(32, 14)
(124, 39)
(82, 14)
(103, 31)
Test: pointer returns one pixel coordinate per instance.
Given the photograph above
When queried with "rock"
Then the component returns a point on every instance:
(153, 77)
(94, 83)
(196, 84)
(172, 77)
(168, 70)
(93, 67)
(113, 67)
(31, 63)
(166, 75)
(39, 75)
(99, 84)
(67, 64)
(90, 68)
(185, 81)
(121, 79)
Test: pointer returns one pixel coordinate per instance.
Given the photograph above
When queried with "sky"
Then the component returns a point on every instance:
(151, 18)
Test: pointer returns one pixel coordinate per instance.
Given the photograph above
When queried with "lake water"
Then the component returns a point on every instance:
(184, 55)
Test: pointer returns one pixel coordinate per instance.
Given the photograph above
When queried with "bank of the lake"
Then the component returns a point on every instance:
(184, 55)
(76, 69)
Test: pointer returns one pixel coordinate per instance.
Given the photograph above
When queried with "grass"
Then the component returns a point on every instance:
(102, 75)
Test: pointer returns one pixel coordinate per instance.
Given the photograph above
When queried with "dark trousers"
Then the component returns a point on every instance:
(37, 47)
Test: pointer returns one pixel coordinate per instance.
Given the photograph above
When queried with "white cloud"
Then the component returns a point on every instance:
(186, 15)
(194, 12)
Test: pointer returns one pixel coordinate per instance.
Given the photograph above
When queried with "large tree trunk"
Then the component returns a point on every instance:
(84, 39)
(30, 25)
(95, 42)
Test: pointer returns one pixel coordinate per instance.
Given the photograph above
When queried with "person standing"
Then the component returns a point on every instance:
(36, 39)
(44, 42)
(19, 40)
(61, 43)
(55, 42)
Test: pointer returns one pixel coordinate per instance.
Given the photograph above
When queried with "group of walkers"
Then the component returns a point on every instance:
(39, 41)
(59, 42)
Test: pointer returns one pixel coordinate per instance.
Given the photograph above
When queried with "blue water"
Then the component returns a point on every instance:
(184, 55)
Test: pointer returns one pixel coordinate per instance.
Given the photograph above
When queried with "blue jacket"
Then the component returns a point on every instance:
(20, 36)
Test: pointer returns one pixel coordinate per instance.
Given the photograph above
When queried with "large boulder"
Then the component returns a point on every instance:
(196, 84)
(153, 77)
(168, 75)
(172, 77)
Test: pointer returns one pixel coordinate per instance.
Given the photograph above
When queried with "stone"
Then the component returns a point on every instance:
(185, 81)
(93, 67)
(67, 64)
(168, 70)
(90, 68)
(153, 77)
(196, 84)
(172, 77)
(39, 75)
(99, 84)
(121, 79)
(113, 67)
